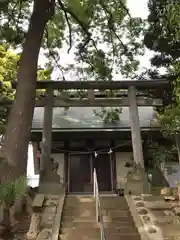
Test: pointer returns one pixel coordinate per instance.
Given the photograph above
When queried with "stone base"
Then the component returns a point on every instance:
(133, 187)
(136, 187)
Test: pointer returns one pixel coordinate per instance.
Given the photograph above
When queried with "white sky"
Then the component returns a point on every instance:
(138, 8)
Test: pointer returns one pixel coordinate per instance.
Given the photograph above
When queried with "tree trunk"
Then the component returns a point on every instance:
(20, 119)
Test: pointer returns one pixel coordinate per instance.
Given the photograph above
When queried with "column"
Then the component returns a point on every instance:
(177, 138)
(135, 127)
(47, 131)
(35, 151)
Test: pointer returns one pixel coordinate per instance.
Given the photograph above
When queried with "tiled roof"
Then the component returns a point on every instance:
(84, 118)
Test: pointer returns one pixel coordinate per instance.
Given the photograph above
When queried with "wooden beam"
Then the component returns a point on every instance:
(123, 102)
(103, 85)
(99, 102)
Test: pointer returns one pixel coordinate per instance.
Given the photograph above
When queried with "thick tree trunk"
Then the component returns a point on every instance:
(20, 119)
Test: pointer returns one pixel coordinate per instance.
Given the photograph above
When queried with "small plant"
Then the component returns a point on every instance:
(20, 187)
(109, 115)
(11, 191)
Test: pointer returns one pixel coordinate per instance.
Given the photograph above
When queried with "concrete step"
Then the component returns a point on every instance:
(95, 229)
(122, 236)
(72, 237)
(82, 215)
(116, 212)
(83, 230)
(113, 199)
(113, 204)
(114, 225)
(81, 198)
(79, 236)
(79, 206)
(79, 220)
(121, 230)
(108, 216)
(80, 212)
(119, 224)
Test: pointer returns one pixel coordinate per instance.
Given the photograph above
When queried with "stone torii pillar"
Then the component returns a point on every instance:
(135, 127)
(35, 151)
(47, 131)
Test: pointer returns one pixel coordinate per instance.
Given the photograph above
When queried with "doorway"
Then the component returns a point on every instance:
(103, 165)
(79, 173)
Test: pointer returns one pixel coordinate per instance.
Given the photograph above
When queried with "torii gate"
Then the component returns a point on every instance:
(132, 100)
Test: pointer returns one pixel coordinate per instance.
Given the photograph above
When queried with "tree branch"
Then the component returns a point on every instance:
(112, 27)
(126, 9)
(52, 55)
(70, 30)
(83, 26)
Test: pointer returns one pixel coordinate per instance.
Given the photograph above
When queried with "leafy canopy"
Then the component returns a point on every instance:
(163, 34)
(101, 36)
(163, 37)
(8, 73)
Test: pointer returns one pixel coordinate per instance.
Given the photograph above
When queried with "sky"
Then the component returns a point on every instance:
(139, 9)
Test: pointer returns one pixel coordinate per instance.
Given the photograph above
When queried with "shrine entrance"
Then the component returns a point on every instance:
(103, 167)
(80, 172)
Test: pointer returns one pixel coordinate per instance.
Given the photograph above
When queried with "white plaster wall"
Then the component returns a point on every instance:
(59, 158)
(121, 170)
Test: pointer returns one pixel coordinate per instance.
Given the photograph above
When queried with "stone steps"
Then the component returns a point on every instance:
(88, 237)
(79, 219)
(110, 229)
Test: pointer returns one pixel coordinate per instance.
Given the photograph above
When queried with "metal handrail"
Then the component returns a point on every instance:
(99, 216)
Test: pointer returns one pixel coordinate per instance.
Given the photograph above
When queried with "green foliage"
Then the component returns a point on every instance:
(163, 34)
(109, 115)
(163, 37)
(8, 64)
(8, 73)
(170, 121)
(161, 153)
(15, 15)
(11, 191)
(170, 114)
(44, 74)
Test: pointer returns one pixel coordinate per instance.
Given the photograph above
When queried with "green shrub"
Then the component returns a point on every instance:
(11, 191)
